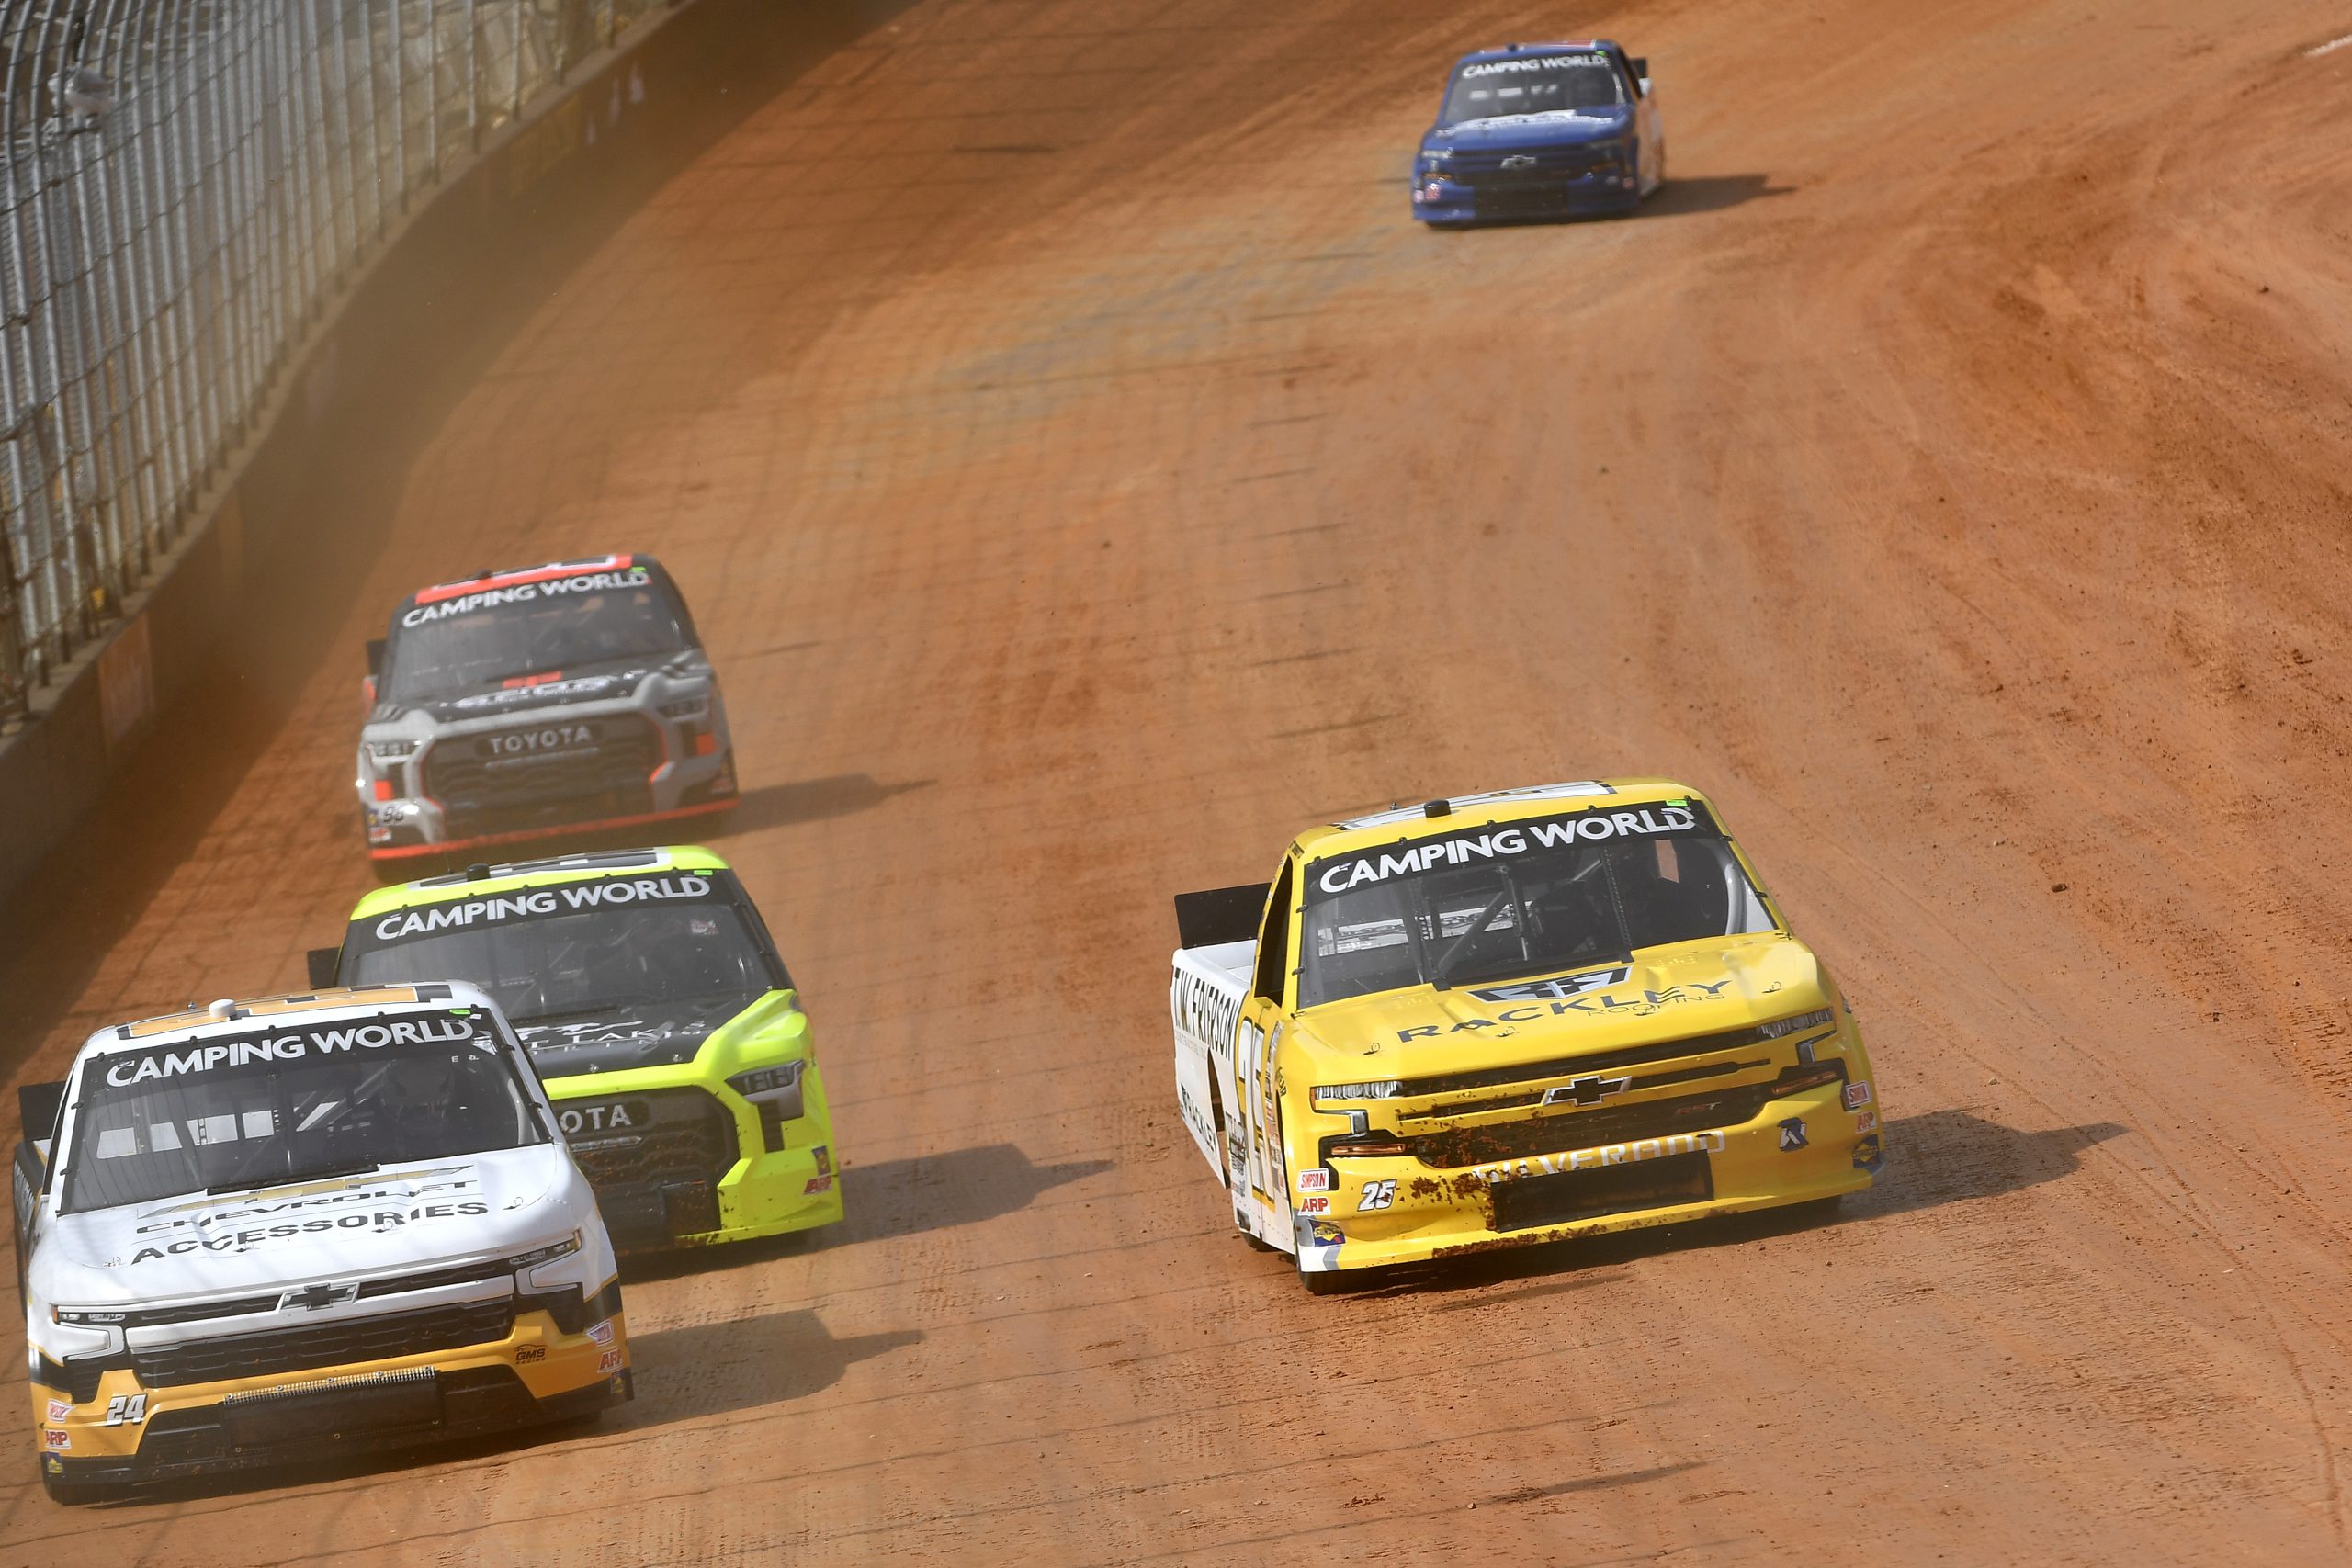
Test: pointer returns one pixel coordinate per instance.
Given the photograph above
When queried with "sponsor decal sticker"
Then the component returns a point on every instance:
(824, 1160)
(1540, 62)
(602, 1332)
(815, 1185)
(56, 1441)
(1326, 1234)
(1598, 1005)
(293, 1045)
(605, 893)
(1554, 990)
(1869, 1155)
(1792, 1135)
(1857, 1094)
(529, 1353)
(1865, 1120)
(610, 1361)
(1316, 1180)
(1606, 1154)
(440, 609)
(1317, 1205)
(1415, 857)
(59, 1409)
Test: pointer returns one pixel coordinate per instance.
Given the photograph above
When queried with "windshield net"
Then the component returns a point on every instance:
(580, 947)
(1544, 84)
(291, 1103)
(507, 634)
(1525, 899)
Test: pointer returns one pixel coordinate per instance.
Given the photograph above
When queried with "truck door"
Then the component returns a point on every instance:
(1257, 1085)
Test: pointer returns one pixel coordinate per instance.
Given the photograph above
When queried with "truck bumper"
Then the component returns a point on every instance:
(126, 1433)
(1797, 1150)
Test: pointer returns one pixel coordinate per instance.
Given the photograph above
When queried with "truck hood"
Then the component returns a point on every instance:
(1555, 128)
(1669, 992)
(402, 1219)
(607, 681)
(665, 1035)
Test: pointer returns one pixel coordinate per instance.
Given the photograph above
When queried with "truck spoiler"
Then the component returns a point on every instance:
(1220, 915)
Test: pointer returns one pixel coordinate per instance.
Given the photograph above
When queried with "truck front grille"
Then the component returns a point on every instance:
(1591, 1129)
(344, 1343)
(690, 1136)
(483, 792)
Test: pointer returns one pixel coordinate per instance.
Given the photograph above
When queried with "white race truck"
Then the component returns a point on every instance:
(297, 1225)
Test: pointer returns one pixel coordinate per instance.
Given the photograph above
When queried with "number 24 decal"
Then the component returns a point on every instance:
(1376, 1195)
(126, 1410)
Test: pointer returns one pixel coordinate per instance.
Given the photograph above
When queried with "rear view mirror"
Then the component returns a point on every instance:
(324, 961)
(1642, 72)
(39, 1105)
(375, 655)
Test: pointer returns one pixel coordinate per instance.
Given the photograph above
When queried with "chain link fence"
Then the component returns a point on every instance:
(187, 183)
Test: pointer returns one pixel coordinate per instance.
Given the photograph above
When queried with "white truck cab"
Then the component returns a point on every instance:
(280, 1227)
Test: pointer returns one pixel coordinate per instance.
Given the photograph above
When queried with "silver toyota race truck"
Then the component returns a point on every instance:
(273, 1229)
(565, 697)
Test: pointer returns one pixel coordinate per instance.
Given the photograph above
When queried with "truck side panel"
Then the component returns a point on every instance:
(1204, 999)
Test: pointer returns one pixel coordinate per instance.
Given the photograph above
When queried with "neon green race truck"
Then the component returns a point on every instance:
(659, 1016)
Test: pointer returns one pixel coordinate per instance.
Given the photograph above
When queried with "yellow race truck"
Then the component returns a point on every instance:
(1509, 1018)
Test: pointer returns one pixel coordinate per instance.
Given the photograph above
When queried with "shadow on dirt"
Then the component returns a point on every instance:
(1934, 1159)
(809, 800)
(934, 1192)
(712, 1369)
(690, 1372)
(1711, 193)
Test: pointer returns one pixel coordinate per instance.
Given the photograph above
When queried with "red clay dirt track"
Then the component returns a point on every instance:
(1086, 476)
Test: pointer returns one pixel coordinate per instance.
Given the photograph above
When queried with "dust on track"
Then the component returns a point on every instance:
(1084, 476)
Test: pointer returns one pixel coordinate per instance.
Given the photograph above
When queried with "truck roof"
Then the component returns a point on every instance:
(231, 1014)
(519, 874)
(1399, 823)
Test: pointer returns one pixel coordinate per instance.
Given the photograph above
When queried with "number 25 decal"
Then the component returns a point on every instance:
(126, 1410)
(1376, 1195)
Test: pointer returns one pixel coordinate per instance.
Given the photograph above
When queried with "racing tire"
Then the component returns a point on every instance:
(1326, 1284)
(75, 1495)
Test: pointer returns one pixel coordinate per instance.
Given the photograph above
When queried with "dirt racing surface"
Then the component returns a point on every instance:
(1085, 475)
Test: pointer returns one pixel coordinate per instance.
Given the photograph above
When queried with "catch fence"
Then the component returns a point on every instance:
(187, 184)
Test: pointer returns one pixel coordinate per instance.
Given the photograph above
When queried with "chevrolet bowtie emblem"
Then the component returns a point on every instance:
(313, 1297)
(1584, 1091)
(1520, 160)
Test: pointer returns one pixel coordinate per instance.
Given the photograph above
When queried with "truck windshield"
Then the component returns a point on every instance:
(293, 1102)
(541, 956)
(463, 645)
(1526, 899)
(1542, 84)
